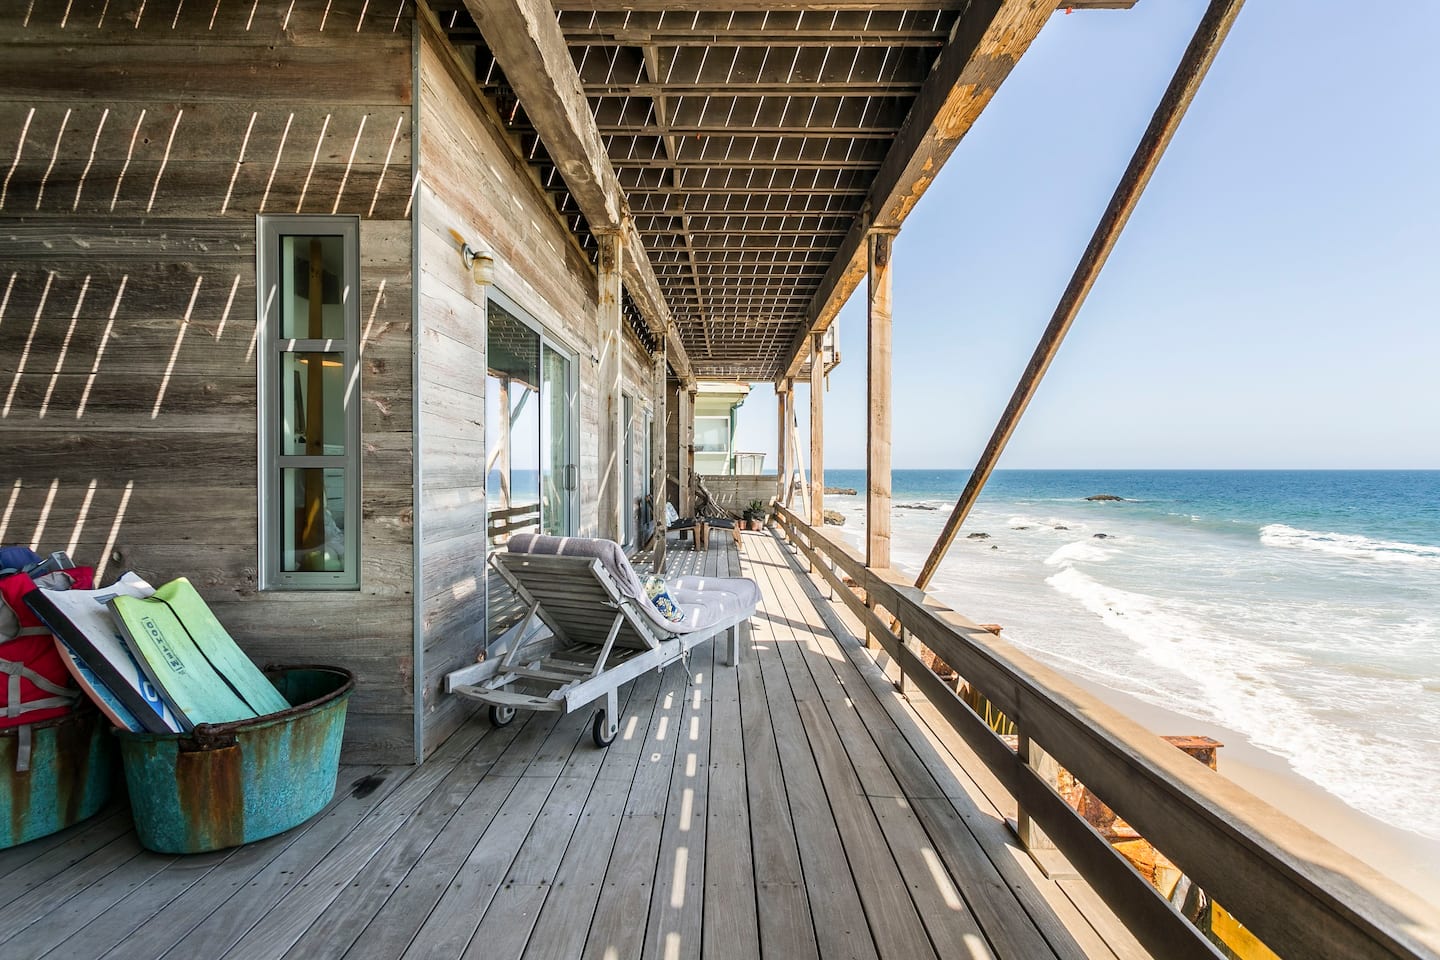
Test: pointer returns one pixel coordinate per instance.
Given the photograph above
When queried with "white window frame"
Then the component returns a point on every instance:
(271, 348)
(729, 440)
(551, 341)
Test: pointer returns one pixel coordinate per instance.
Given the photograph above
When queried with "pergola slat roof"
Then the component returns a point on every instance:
(757, 143)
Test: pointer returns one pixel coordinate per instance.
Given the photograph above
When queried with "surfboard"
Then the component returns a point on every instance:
(191, 659)
(97, 658)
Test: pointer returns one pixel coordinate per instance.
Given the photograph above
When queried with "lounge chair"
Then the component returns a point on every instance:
(590, 627)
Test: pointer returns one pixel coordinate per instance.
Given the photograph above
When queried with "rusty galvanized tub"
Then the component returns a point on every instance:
(226, 784)
(72, 772)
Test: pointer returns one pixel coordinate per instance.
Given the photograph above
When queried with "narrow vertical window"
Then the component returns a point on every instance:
(308, 281)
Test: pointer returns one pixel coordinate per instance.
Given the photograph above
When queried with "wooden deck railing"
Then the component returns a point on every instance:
(502, 524)
(1299, 893)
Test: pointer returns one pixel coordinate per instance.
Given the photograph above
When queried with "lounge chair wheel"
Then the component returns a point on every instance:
(501, 716)
(601, 731)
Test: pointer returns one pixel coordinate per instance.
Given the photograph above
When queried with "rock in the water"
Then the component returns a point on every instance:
(913, 506)
(978, 536)
(1019, 528)
(840, 491)
(1102, 536)
(1105, 496)
(1061, 528)
(994, 546)
(835, 518)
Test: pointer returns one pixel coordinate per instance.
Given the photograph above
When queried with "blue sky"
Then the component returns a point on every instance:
(1274, 301)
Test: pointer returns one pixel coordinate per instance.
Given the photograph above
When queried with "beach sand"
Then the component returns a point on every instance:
(1409, 859)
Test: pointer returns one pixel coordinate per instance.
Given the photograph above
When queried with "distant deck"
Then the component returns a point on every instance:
(796, 807)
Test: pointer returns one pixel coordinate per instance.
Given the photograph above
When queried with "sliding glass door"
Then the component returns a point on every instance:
(530, 440)
(639, 520)
(530, 412)
(557, 467)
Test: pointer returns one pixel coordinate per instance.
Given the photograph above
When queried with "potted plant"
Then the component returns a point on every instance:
(755, 515)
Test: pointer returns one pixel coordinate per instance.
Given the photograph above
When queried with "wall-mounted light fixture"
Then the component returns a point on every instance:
(480, 263)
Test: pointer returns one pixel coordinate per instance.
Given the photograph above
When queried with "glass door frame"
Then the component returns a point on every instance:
(548, 341)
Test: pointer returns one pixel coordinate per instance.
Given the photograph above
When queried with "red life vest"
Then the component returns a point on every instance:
(34, 684)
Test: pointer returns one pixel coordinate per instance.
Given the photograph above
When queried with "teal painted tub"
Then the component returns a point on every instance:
(226, 784)
(72, 772)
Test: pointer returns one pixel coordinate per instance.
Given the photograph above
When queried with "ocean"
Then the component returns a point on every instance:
(1298, 608)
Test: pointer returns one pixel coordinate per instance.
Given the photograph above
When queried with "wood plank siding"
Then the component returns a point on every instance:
(473, 181)
(139, 145)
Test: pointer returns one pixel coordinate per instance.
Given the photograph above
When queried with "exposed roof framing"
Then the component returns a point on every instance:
(751, 144)
(538, 66)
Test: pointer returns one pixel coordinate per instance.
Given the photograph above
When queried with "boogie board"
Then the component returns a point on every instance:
(96, 657)
(190, 658)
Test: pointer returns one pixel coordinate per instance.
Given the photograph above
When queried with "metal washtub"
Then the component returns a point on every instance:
(72, 771)
(230, 783)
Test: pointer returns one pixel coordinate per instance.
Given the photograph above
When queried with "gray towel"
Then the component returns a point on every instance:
(706, 601)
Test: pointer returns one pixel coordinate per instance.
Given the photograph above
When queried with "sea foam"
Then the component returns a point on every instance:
(1347, 545)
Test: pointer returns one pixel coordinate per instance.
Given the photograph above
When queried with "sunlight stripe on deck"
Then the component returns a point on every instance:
(796, 806)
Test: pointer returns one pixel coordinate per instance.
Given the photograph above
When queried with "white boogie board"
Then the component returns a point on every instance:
(97, 658)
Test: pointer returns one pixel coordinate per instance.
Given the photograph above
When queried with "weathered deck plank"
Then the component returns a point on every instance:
(676, 925)
(564, 922)
(976, 800)
(875, 858)
(730, 929)
(841, 928)
(623, 909)
(794, 806)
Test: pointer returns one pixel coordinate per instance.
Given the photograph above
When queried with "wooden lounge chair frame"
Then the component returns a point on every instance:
(581, 639)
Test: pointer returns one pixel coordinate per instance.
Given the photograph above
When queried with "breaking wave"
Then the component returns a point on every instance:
(1350, 546)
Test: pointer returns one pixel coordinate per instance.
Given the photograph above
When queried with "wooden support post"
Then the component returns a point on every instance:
(1193, 66)
(685, 456)
(1040, 847)
(611, 519)
(817, 431)
(798, 454)
(657, 455)
(782, 406)
(878, 397)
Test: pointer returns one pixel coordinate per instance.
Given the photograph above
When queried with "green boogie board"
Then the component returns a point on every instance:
(189, 657)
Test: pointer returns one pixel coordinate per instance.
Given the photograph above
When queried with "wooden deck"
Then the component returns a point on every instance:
(794, 807)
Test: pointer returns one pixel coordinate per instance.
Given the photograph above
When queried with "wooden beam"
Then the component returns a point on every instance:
(608, 318)
(1205, 44)
(817, 430)
(751, 113)
(527, 43)
(753, 88)
(782, 404)
(645, 290)
(989, 40)
(658, 379)
(685, 456)
(809, 5)
(878, 399)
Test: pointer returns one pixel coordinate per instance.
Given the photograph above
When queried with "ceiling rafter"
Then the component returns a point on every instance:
(537, 64)
(754, 143)
(987, 43)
